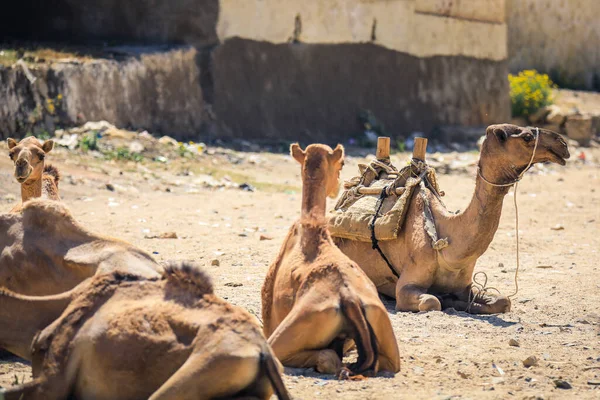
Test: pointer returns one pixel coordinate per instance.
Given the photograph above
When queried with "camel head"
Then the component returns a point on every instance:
(28, 156)
(321, 163)
(509, 148)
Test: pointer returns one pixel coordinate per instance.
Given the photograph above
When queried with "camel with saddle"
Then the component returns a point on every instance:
(122, 337)
(315, 300)
(37, 179)
(395, 226)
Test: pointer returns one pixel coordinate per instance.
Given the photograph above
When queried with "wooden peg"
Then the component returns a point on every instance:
(383, 148)
(420, 148)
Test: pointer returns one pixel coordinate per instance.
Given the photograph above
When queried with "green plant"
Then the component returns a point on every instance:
(123, 154)
(529, 91)
(89, 142)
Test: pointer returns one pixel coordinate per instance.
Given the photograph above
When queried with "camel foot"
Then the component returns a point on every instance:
(428, 302)
(328, 362)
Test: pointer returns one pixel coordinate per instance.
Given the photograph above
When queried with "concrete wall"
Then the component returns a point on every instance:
(298, 69)
(560, 37)
(154, 90)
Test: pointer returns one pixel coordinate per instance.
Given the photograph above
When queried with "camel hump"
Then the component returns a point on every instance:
(189, 275)
(53, 172)
(39, 210)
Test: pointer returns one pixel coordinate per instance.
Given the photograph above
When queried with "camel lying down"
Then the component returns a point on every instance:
(123, 337)
(315, 299)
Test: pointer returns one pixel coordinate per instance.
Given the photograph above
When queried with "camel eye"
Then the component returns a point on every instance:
(528, 138)
(42, 156)
(12, 156)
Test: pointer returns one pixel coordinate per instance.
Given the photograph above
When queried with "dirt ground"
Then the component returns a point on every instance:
(555, 316)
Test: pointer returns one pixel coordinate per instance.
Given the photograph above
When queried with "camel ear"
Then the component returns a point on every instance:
(338, 153)
(11, 143)
(48, 146)
(500, 133)
(297, 153)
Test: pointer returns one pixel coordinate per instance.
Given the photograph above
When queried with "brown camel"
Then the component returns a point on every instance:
(315, 300)
(426, 275)
(36, 178)
(45, 251)
(125, 338)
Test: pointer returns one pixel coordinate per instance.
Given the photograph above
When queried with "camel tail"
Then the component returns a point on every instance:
(52, 171)
(270, 367)
(365, 340)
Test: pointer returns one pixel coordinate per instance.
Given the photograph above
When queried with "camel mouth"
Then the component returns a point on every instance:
(557, 158)
(22, 179)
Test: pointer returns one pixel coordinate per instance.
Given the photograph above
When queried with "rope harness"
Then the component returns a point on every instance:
(374, 242)
(478, 290)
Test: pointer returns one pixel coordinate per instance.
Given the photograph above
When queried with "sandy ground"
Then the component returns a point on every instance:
(555, 317)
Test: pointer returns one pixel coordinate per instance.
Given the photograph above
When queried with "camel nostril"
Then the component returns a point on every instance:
(21, 163)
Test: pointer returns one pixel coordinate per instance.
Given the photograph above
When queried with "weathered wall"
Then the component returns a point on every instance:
(158, 91)
(145, 21)
(315, 92)
(560, 37)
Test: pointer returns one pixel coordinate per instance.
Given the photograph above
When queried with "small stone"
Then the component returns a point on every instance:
(530, 361)
(215, 262)
(168, 235)
(514, 343)
(562, 384)
(247, 187)
(265, 237)
(110, 187)
(233, 284)
(594, 383)
(463, 375)
(558, 227)
(555, 116)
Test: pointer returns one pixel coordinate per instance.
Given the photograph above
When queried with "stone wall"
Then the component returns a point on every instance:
(154, 90)
(559, 37)
(297, 70)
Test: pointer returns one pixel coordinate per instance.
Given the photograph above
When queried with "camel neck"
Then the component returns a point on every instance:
(314, 199)
(24, 316)
(31, 190)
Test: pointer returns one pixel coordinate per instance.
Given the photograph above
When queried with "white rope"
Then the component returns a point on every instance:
(516, 183)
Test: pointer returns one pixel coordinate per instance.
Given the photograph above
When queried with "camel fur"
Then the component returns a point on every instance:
(36, 178)
(431, 280)
(127, 338)
(315, 300)
(46, 251)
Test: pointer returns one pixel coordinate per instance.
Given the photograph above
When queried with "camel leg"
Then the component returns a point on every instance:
(487, 304)
(301, 332)
(410, 297)
(388, 355)
(207, 376)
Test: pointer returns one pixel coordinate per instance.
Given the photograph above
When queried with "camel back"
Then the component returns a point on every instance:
(354, 214)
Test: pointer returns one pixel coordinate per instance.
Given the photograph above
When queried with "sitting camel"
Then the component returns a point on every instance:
(428, 276)
(45, 251)
(314, 298)
(36, 178)
(126, 338)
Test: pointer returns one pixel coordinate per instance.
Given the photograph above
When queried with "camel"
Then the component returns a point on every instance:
(431, 280)
(36, 178)
(315, 300)
(123, 337)
(45, 251)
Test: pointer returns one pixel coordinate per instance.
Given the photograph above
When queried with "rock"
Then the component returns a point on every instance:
(579, 128)
(247, 187)
(514, 343)
(594, 383)
(168, 141)
(540, 115)
(136, 147)
(555, 116)
(530, 361)
(558, 227)
(165, 235)
(562, 384)
(265, 237)
(215, 262)
(463, 375)
(9, 198)
(110, 187)
(233, 284)
(596, 124)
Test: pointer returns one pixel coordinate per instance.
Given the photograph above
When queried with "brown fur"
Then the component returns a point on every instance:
(36, 178)
(119, 327)
(314, 299)
(424, 273)
(46, 251)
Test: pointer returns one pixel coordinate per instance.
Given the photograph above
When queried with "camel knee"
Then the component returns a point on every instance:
(328, 362)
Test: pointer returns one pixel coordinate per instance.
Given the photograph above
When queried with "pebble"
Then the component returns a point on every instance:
(561, 384)
(265, 237)
(110, 186)
(514, 343)
(215, 262)
(594, 383)
(530, 361)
